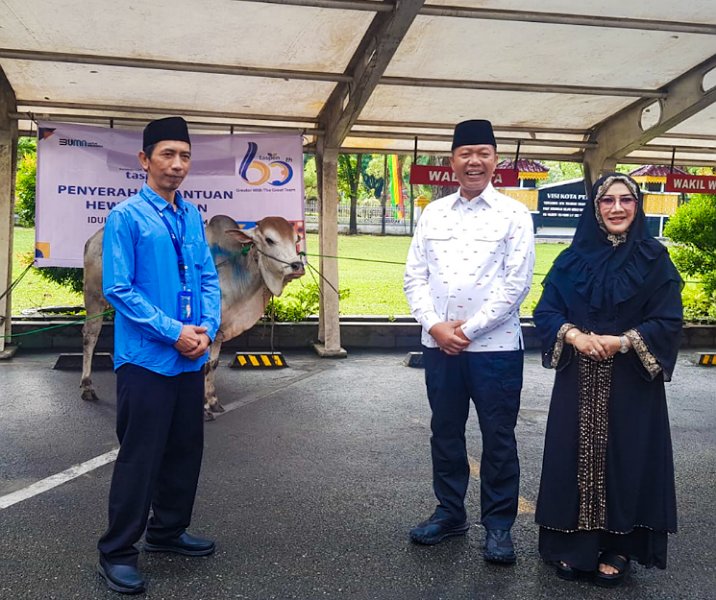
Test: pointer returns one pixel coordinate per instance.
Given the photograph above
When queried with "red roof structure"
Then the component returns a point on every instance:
(528, 169)
(656, 171)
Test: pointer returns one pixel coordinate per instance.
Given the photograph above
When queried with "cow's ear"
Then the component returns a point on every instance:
(243, 236)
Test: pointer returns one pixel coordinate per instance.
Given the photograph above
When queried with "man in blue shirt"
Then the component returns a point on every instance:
(159, 276)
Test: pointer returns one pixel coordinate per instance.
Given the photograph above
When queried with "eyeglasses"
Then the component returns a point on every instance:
(624, 201)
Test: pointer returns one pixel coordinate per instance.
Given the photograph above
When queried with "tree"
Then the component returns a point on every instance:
(562, 171)
(693, 228)
(310, 180)
(372, 173)
(438, 191)
(383, 195)
(349, 176)
(26, 145)
(25, 184)
(419, 189)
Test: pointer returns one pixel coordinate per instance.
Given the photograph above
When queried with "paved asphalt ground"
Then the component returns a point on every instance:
(310, 484)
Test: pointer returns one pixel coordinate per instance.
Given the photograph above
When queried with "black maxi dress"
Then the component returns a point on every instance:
(607, 476)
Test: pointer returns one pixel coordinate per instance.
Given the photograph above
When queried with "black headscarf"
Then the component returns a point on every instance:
(608, 280)
(610, 269)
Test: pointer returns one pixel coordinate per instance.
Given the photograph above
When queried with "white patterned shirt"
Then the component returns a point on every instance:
(472, 260)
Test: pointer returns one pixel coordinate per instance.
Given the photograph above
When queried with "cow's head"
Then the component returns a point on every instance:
(275, 244)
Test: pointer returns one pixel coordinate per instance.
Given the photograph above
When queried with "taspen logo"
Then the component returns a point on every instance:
(266, 168)
(78, 143)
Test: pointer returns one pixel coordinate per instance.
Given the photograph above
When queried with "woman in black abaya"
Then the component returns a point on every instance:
(610, 323)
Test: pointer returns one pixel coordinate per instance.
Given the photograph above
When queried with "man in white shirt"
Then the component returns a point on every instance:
(468, 270)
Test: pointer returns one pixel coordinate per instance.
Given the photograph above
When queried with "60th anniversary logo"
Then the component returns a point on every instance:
(267, 169)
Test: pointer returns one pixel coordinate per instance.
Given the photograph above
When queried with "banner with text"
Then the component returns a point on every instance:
(434, 175)
(690, 184)
(83, 171)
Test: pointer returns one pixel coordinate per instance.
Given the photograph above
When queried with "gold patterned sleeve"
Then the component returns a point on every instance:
(559, 342)
(647, 359)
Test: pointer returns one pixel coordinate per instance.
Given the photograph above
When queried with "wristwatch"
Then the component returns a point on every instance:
(623, 344)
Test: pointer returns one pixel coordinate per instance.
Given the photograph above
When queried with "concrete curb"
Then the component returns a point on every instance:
(400, 333)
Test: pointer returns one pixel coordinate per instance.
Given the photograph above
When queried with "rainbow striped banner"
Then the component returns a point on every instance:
(396, 187)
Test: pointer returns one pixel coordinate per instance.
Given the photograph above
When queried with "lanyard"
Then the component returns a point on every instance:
(175, 240)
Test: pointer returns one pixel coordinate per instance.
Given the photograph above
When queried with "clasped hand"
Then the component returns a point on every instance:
(449, 337)
(192, 342)
(597, 347)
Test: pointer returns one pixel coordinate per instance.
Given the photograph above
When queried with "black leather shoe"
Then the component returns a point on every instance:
(124, 579)
(435, 529)
(498, 547)
(185, 544)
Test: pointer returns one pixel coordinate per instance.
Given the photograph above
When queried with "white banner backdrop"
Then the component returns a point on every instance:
(83, 171)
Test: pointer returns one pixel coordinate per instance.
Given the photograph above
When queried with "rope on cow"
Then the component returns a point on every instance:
(306, 254)
(245, 249)
(61, 325)
(309, 265)
(317, 272)
(386, 262)
(273, 322)
(14, 283)
(372, 260)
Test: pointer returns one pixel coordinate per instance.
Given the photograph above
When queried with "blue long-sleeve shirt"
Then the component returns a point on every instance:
(140, 279)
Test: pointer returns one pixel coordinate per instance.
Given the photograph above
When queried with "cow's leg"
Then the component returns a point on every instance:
(211, 402)
(90, 334)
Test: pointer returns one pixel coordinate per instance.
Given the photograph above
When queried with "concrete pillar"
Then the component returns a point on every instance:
(594, 165)
(319, 182)
(329, 331)
(8, 150)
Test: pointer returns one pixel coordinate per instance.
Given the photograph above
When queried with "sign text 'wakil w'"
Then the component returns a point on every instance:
(693, 184)
(434, 175)
(84, 171)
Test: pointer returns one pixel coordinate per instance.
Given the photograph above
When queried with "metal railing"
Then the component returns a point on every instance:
(368, 212)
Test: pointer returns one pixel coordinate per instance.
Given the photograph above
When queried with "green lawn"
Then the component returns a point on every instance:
(375, 288)
(35, 291)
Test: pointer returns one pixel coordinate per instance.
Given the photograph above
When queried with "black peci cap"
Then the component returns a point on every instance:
(169, 128)
(472, 133)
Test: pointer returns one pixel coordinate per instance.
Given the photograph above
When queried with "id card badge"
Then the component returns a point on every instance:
(184, 303)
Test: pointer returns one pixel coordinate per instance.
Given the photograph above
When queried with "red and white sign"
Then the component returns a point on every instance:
(690, 184)
(432, 175)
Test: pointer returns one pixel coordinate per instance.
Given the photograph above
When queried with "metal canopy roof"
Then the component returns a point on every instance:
(562, 78)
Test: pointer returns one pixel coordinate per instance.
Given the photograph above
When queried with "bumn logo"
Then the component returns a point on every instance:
(79, 143)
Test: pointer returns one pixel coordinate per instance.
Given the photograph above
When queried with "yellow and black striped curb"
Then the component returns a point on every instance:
(258, 360)
(706, 359)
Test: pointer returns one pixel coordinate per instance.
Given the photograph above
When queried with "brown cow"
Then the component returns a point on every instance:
(253, 265)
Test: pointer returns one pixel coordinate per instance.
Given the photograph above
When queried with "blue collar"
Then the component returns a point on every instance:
(160, 203)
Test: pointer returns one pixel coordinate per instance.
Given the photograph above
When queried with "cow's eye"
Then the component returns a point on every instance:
(270, 242)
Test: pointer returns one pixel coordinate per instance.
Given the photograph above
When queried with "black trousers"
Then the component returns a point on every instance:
(493, 380)
(160, 426)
